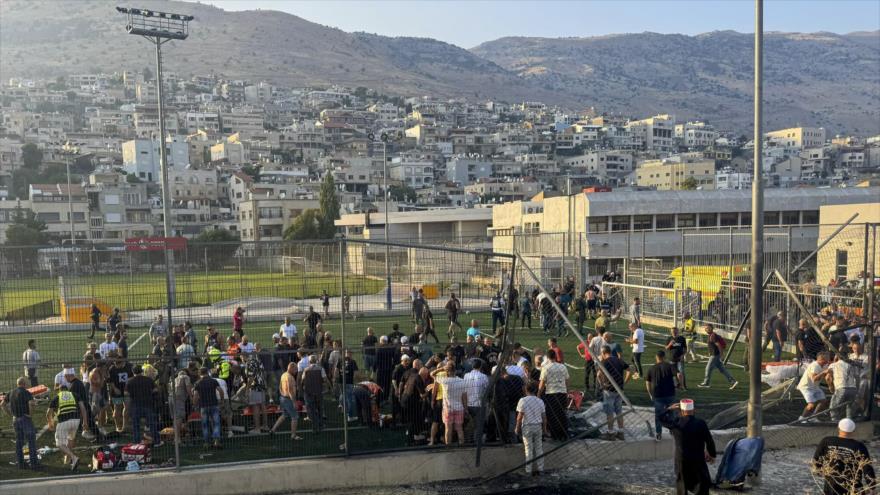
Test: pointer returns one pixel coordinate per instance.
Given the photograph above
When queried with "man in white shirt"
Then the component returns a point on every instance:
(531, 423)
(455, 399)
(108, 345)
(246, 346)
(553, 387)
(637, 339)
(476, 383)
(288, 329)
(843, 381)
(808, 386)
(31, 360)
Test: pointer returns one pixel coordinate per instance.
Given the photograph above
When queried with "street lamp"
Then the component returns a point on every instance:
(68, 150)
(385, 137)
(159, 28)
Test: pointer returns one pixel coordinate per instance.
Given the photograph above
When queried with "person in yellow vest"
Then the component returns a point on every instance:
(63, 417)
(690, 335)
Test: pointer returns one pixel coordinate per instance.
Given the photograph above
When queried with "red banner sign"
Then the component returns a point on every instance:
(155, 243)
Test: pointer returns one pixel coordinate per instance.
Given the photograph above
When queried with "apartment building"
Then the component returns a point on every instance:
(266, 218)
(412, 170)
(730, 179)
(602, 163)
(669, 174)
(141, 157)
(654, 133)
(798, 137)
(504, 190)
(51, 205)
(696, 135)
(466, 170)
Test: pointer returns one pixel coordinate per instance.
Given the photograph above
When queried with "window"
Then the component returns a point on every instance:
(597, 224)
(111, 199)
(79, 216)
(642, 222)
(810, 217)
(708, 219)
(840, 269)
(620, 223)
(790, 217)
(687, 220)
(745, 219)
(729, 219)
(771, 218)
(49, 217)
(665, 222)
(112, 217)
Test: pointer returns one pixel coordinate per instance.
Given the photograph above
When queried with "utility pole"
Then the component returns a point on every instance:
(754, 415)
(387, 227)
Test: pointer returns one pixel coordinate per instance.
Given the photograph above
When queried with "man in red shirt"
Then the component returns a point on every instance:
(583, 351)
(551, 344)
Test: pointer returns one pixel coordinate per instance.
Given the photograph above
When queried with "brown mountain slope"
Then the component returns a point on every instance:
(821, 79)
(50, 38)
(812, 79)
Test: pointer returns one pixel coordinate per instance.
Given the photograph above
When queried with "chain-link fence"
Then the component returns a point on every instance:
(355, 291)
(273, 350)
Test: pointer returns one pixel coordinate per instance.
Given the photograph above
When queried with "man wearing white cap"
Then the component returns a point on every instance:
(844, 462)
(694, 447)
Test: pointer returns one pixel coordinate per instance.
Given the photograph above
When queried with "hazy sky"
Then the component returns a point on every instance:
(468, 23)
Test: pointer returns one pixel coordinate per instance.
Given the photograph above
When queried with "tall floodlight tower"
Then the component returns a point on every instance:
(159, 28)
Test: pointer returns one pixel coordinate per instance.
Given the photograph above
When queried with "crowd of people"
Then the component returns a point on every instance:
(437, 393)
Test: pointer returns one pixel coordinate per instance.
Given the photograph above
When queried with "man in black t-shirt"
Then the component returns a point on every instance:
(120, 372)
(20, 405)
(140, 391)
(612, 403)
(844, 462)
(78, 389)
(205, 397)
(676, 345)
(660, 383)
(369, 346)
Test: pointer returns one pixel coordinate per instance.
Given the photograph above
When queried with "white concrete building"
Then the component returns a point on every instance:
(141, 157)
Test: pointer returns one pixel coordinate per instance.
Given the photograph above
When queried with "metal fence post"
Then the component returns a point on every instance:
(872, 343)
(730, 281)
(175, 420)
(341, 246)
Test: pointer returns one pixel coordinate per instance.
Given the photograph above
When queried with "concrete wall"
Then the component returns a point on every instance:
(851, 239)
(415, 467)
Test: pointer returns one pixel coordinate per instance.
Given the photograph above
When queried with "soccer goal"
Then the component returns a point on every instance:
(293, 264)
(659, 305)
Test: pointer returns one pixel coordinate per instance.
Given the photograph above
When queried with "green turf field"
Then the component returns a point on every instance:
(147, 291)
(57, 346)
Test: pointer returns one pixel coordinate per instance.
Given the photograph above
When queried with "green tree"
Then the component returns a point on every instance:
(689, 184)
(329, 208)
(252, 170)
(26, 230)
(304, 227)
(31, 156)
(217, 245)
(402, 193)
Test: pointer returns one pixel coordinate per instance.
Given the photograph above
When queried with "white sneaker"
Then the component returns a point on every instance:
(88, 435)
(733, 386)
(229, 434)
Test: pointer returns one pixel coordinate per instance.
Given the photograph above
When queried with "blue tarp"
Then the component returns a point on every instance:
(742, 456)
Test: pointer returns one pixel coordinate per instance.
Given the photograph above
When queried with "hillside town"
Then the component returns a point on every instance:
(81, 153)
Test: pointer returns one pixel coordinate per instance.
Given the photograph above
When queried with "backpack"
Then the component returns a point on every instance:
(103, 459)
